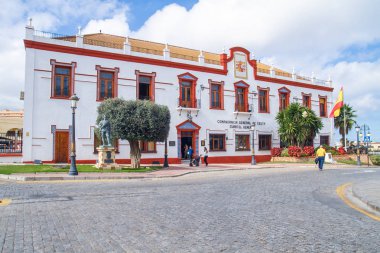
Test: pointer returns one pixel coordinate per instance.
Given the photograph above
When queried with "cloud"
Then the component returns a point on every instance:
(117, 25)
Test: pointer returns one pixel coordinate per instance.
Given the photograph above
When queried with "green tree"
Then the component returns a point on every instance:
(350, 120)
(297, 124)
(135, 121)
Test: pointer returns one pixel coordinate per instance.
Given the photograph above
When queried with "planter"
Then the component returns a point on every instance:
(292, 159)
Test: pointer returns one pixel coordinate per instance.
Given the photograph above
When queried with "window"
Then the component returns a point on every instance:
(306, 101)
(98, 142)
(322, 106)
(147, 146)
(241, 96)
(324, 140)
(263, 100)
(265, 142)
(62, 79)
(215, 96)
(242, 142)
(217, 142)
(187, 95)
(145, 87)
(283, 94)
(107, 83)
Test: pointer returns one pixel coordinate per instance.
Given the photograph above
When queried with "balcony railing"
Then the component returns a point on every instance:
(54, 36)
(102, 43)
(265, 71)
(242, 108)
(184, 57)
(189, 104)
(208, 61)
(146, 50)
(10, 143)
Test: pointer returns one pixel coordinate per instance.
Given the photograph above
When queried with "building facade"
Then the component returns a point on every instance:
(214, 99)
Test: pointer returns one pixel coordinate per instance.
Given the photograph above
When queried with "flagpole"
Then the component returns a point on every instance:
(344, 122)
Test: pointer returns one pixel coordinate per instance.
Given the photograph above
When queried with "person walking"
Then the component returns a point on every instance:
(320, 155)
(190, 155)
(186, 151)
(205, 156)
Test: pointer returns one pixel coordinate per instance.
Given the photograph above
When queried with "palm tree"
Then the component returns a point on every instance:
(350, 120)
(297, 124)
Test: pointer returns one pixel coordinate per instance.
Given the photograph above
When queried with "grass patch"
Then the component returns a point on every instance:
(11, 169)
(375, 159)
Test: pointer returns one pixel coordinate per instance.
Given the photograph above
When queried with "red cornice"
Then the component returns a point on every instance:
(121, 57)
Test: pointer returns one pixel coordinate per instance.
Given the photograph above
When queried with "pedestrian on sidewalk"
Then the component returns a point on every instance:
(320, 155)
(186, 151)
(205, 156)
(190, 152)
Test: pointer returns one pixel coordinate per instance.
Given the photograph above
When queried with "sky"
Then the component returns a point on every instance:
(338, 38)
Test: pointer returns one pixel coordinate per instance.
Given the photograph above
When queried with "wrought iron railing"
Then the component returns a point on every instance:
(10, 143)
(55, 36)
(196, 104)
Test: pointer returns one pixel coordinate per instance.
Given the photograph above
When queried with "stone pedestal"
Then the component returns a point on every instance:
(106, 158)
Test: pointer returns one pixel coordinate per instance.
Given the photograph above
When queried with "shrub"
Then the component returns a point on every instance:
(285, 152)
(294, 151)
(341, 151)
(276, 151)
(308, 150)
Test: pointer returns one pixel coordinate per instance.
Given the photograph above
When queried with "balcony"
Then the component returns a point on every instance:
(188, 106)
(243, 110)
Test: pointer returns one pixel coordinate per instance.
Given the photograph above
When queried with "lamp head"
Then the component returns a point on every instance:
(74, 100)
(357, 128)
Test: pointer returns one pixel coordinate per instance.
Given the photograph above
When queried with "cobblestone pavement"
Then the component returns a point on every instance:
(267, 210)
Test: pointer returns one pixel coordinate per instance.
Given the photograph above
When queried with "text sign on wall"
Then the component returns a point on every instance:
(240, 124)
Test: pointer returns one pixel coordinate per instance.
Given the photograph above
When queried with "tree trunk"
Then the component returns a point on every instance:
(135, 154)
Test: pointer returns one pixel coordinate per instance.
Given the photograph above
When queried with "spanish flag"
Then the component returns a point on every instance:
(338, 104)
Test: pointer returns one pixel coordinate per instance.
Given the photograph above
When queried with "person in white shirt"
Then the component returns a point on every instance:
(205, 155)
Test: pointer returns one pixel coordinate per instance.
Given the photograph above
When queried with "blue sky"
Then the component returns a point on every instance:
(338, 38)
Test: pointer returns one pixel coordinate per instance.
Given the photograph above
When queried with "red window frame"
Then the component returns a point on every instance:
(71, 66)
(187, 77)
(221, 94)
(306, 103)
(323, 110)
(115, 72)
(283, 98)
(144, 147)
(263, 99)
(215, 138)
(265, 141)
(152, 86)
(241, 91)
(247, 142)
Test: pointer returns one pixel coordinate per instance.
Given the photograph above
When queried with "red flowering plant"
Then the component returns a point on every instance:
(276, 151)
(308, 150)
(341, 151)
(294, 151)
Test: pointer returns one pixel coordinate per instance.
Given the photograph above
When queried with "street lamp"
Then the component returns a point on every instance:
(357, 128)
(166, 163)
(253, 160)
(73, 166)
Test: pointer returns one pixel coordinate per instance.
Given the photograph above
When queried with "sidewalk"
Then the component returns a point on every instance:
(369, 193)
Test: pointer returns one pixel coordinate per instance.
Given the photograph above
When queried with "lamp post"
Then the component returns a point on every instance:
(166, 163)
(357, 128)
(253, 160)
(73, 166)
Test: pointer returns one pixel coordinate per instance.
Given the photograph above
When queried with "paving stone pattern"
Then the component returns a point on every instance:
(234, 211)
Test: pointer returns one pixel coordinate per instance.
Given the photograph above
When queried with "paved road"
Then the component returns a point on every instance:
(267, 210)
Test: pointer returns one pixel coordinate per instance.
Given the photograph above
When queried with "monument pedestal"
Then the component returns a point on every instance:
(106, 158)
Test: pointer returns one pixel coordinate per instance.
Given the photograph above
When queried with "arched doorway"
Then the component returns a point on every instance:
(187, 134)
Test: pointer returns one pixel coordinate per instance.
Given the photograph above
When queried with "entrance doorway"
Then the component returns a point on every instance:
(187, 140)
(61, 152)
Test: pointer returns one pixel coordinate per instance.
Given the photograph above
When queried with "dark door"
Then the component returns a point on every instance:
(61, 147)
(186, 140)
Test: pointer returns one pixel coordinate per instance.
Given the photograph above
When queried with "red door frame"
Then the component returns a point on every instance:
(194, 130)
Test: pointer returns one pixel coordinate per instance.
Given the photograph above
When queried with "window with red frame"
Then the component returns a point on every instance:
(216, 102)
(284, 100)
(306, 101)
(106, 85)
(242, 142)
(265, 142)
(186, 94)
(145, 83)
(62, 82)
(217, 142)
(322, 107)
(263, 101)
(147, 146)
(241, 99)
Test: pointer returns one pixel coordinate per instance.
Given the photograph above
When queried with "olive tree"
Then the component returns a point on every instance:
(297, 124)
(135, 121)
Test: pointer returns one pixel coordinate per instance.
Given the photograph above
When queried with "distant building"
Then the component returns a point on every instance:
(214, 99)
(11, 122)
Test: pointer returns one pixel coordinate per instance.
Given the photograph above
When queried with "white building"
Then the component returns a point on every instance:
(213, 98)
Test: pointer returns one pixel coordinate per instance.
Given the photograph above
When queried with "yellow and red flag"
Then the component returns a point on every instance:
(335, 112)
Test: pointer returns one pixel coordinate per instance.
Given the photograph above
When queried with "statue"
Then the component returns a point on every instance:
(105, 131)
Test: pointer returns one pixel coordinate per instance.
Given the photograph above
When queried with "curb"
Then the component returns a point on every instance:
(369, 203)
